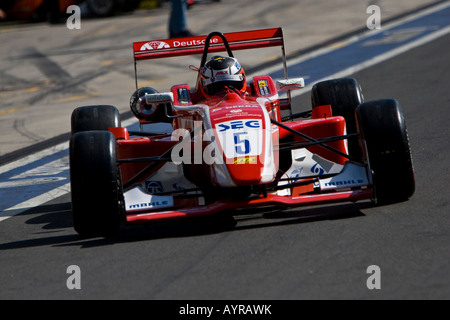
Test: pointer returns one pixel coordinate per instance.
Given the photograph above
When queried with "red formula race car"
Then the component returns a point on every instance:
(234, 143)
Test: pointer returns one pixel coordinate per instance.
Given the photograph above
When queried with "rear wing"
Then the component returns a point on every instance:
(194, 45)
(145, 50)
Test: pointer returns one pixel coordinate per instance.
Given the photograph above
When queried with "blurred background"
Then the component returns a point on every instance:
(55, 10)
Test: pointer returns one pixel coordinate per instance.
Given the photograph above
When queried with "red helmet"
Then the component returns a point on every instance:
(220, 73)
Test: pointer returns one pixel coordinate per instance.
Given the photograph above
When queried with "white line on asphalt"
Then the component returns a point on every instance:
(359, 37)
(378, 59)
(34, 157)
(34, 202)
(48, 196)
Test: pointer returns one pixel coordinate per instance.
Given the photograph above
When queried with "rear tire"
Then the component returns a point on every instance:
(384, 137)
(102, 8)
(99, 117)
(95, 184)
(344, 95)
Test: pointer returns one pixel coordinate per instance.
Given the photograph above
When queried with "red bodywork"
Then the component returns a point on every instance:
(257, 110)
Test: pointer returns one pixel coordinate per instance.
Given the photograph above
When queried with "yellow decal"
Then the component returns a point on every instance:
(245, 160)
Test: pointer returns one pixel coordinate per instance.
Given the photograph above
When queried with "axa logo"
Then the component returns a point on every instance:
(154, 45)
(222, 72)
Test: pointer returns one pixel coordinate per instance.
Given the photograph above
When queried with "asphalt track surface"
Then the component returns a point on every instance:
(309, 253)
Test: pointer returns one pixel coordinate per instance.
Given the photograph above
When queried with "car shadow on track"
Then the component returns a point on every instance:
(56, 225)
(304, 215)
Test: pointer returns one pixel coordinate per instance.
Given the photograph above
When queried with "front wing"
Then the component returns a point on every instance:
(352, 184)
(270, 200)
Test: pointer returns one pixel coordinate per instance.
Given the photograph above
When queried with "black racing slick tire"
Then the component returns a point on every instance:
(97, 198)
(344, 95)
(99, 117)
(385, 140)
(102, 8)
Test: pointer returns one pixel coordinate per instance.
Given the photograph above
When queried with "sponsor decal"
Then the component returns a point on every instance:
(154, 187)
(290, 84)
(218, 73)
(263, 87)
(296, 173)
(191, 43)
(183, 95)
(317, 169)
(245, 160)
(154, 45)
(239, 124)
(147, 205)
(137, 199)
(351, 176)
(240, 138)
(178, 187)
(344, 183)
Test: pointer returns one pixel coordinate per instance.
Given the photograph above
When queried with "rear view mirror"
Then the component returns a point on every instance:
(290, 84)
(158, 98)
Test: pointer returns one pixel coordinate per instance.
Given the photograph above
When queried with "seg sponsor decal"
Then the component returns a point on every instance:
(241, 137)
(239, 124)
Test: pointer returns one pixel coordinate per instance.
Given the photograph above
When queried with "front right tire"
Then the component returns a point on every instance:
(95, 184)
(384, 138)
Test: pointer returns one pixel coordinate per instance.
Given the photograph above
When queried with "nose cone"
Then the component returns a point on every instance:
(244, 139)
